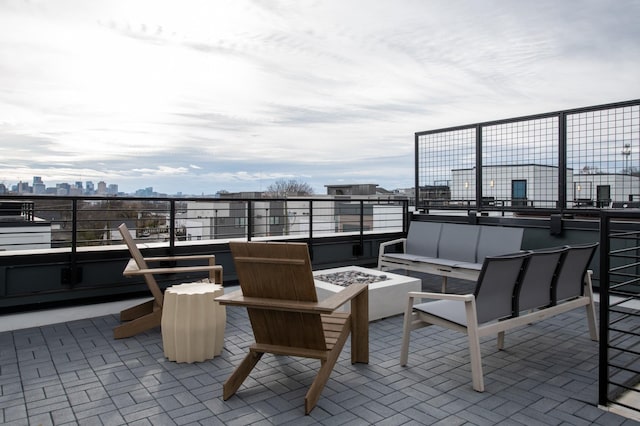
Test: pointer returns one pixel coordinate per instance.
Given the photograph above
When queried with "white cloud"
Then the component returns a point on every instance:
(200, 96)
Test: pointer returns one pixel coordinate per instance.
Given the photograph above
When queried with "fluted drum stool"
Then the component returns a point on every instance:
(192, 322)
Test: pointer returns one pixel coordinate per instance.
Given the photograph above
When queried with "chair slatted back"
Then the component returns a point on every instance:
(539, 279)
(496, 285)
(279, 271)
(142, 264)
(571, 276)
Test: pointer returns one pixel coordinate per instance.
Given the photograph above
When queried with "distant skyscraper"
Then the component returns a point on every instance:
(63, 188)
(102, 188)
(112, 189)
(89, 188)
(38, 185)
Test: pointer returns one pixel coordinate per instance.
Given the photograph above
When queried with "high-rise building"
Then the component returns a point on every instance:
(89, 188)
(63, 188)
(102, 188)
(112, 189)
(38, 185)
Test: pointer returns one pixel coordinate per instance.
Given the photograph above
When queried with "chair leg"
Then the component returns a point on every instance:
(240, 374)
(476, 361)
(360, 328)
(326, 367)
(406, 332)
(138, 325)
(501, 340)
(474, 346)
(591, 309)
(137, 311)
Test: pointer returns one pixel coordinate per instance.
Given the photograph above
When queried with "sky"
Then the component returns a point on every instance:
(232, 95)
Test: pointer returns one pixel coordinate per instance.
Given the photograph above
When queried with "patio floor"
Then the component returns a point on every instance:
(76, 373)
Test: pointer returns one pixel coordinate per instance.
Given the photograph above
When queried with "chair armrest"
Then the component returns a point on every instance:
(440, 296)
(236, 298)
(132, 269)
(340, 298)
(326, 306)
(384, 245)
(184, 257)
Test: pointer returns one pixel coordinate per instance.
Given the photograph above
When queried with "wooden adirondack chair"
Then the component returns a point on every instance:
(147, 315)
(278, 290)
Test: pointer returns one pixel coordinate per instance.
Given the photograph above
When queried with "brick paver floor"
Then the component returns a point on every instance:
(76, 373)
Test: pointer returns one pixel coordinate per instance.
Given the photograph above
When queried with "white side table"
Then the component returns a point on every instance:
(192, 322)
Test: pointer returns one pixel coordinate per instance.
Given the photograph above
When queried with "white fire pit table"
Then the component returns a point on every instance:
(387, 297)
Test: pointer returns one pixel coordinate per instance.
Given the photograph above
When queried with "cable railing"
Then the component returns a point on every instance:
(55, 222)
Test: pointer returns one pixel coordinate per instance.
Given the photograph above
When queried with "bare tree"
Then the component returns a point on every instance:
(283, 187)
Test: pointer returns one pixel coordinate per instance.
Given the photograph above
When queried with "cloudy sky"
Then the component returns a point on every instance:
(202, 96)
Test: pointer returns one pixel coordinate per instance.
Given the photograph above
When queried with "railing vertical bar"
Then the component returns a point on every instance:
(361, 227)
(603, 369)
(73, 279)
(479, 167)
(311, 229)
(562, 159)
(172, 225)
(250, 220)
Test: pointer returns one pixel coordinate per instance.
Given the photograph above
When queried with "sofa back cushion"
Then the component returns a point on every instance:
(458, 242)
(423, 238)
(497, 240)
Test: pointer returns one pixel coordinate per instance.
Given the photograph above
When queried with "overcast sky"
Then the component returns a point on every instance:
(202, 96)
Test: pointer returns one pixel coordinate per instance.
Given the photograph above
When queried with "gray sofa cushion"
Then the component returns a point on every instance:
(423, 238)
(458, 242)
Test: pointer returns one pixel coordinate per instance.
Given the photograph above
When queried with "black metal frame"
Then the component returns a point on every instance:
(562, 141)
(619, 359)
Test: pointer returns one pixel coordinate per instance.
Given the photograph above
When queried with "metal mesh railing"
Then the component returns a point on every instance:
(619, 365)
(574, 159)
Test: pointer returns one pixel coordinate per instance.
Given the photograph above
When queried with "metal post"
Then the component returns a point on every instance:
(478, 168)
(562, 159)
(603, 358)
(172, 225)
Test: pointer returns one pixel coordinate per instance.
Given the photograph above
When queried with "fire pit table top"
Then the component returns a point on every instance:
(387, 291)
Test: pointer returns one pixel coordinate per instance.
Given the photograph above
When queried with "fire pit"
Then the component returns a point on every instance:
(387, 291)
(351, 276)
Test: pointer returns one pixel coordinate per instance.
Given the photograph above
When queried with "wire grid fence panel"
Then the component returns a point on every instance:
(520, 163)
(603, 154)
(446, 168)
(622, 342)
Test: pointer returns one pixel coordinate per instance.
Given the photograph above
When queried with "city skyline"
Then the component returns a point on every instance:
(199, 97)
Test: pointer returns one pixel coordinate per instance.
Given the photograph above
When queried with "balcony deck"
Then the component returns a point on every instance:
(74, 372)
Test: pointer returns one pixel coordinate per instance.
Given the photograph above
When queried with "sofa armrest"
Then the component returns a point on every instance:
(440, 296)
(386, 244)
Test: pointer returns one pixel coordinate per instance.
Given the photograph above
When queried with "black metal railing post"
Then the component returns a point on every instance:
(562, 159)
(479, 163)
(250, 220)
(311, 229)
(172, 225)
(72, 279)
(603, 358)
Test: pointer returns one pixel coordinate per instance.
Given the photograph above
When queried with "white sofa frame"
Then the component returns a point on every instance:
(449, 249)
(485, 312)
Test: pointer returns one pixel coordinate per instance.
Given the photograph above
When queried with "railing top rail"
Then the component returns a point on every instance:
(372, 198)
(532, 117)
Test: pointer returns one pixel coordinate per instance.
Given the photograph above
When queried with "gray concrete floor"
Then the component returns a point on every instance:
(70, 370)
